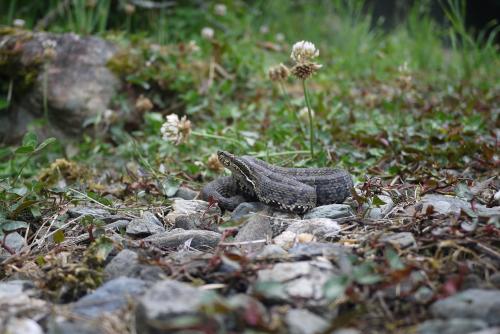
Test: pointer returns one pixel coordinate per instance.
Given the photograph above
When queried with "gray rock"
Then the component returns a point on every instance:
(186, 193)
(118, 225)
(300, 280)
(197, 239)
(300, 321)
(14, 241)
(450, 326)
(245, 209)
(96, 213)
(193, 214)
(80, 85)
(146, 225)
(448, 205)
(257, 229)
(21, 326)
(163, 307)
(110, 297)
(60, 324)
(399, 240)
(126, 263)
(272, 252)
(332, 211)
(472, 303)
(313, 249)
(495, 280)
(322, 228)
(281, 220)
(11, 289)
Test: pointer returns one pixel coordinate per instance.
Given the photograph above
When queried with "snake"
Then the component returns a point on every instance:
(290, 189)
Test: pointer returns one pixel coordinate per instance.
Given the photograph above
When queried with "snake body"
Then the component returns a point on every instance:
(291, 189)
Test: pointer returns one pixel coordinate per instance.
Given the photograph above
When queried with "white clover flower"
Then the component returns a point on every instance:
(280, 37)
(207, 33)
(264, 29)
(220, 9)
(18, 23)
(176, 130)
(304, 51)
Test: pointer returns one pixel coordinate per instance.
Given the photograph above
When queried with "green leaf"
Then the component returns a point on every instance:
(24, 150)
(377, 201)
(365, 274)
(102, 247)
(30, 139)
(3, 103)
(393, 259)
(5, 152)
(58, 236)
(45, 143)
(100, 199)
(40, 260)
(336, 286)
(8, 225)
(170, 187)
(271, 290)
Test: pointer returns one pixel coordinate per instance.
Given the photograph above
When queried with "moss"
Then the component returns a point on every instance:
(124, 63)
(11, 65)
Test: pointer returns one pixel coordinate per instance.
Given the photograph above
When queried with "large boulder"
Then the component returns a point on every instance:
(68, 70)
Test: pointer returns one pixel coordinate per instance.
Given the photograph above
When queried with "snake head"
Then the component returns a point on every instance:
(234, 164)
(225, 158)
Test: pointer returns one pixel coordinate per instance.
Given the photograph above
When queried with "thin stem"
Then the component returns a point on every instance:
(309, 111)
(45, 85)
(207, 135)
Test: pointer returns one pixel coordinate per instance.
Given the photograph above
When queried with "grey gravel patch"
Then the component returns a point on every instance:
(300, 321)
(167, 301)
(96, 213)
(451, 326)
(197, 239)
(110, 297)
(148, 224)
(193, 214)
(399, 240)
(257, 230)
(313, 249)
(472, 303)
(186, 193)
(300, 280)
(10, 289)
(332, 211)
(448, 205)
(245, 209)
(126, 263)
(272, 252)
(322, 228)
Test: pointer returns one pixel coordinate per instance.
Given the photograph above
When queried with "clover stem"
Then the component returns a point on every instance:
(309, 111)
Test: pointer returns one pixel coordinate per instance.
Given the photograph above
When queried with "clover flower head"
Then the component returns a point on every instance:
(278, 73)
(207, 33)
(214, 164)
(220, 9)
(176, 130)
(304, 51)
